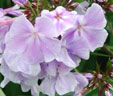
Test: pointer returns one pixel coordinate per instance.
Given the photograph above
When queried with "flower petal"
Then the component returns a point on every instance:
(95, 17)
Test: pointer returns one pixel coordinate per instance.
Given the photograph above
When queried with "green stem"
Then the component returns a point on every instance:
(110, 26)
(30, 5)
(99, 54)
(107, 50)
(76, 70)
(37, 5)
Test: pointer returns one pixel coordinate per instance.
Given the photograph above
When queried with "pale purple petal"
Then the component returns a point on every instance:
(75, 43)
(95, 38)
(82, 82)
(46, 26)
(50, 48)
(61, 18)
(94, 17)
(47, 86)
(65, 84)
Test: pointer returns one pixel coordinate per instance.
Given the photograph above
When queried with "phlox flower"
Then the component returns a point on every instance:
(88, 32)
(5, 23)
(61, 17)
(27, 46)
(27, 82)
(58, 78)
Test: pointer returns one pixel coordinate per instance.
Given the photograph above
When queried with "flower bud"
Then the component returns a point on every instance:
(72, 5)
(109, 86)
(110, 7)
(99, 76)
(111, 74)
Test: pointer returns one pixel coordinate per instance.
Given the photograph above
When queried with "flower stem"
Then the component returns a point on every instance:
(30, 5)
(37, 5)
(107, 50)
(110, 26)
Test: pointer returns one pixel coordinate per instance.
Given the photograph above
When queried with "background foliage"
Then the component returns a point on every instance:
(99, 57)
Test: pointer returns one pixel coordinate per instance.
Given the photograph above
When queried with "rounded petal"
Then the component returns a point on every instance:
(95, 38)
(50, 48)
(94, 17)
(75, 43)
(82, 82)
(65, 84)
(65, 58)
(19, 32)
(47, 86)
(45, 26)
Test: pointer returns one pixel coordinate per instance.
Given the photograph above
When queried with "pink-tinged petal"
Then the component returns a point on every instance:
(75, 43)
(46, 26)
(50, 48)
(94, 17)
(47, 86)
(65, 58)
(55, 67)
(63, 69)
(82, 82)
(51, 68)
(16, 63)
(33, 52)
(14, 38)
(16, 44)
(3, 30)
(75, 58)
(8, 73)
(95, 38)
(65, 84)
(61, 18)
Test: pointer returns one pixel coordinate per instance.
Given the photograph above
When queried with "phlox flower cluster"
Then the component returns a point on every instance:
(48, 50)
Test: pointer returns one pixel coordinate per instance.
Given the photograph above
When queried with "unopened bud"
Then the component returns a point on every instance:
(111, 74)
(73, 5)
(110, 7)
(99, 76)
(109, 86)
(56, 1)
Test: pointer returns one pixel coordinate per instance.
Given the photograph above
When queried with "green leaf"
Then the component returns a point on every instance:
(109, 66)
(93, 92)
(2, 93)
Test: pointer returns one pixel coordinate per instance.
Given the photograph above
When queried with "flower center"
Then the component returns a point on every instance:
(58, 16)
(34, 34)
(79, 27)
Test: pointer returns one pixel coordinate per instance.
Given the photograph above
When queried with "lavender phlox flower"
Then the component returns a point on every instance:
(28, 46)
(27, 82)
(84, 32)
(61, 18)
(58, 78)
